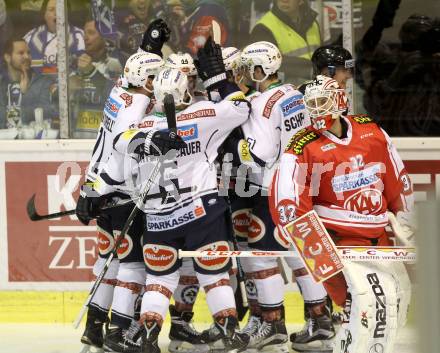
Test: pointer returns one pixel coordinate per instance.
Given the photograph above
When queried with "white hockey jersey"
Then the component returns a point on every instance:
(203, 126)
(122, 110)
(277, 114)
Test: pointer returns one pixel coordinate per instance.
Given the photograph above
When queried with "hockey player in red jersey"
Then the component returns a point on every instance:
(336, 62)
(347, 169)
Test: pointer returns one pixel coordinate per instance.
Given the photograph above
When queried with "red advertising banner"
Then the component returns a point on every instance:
(49, 250)
(63, 250)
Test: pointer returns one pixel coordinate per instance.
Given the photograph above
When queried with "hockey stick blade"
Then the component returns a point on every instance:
(216, 32)
(34, 216)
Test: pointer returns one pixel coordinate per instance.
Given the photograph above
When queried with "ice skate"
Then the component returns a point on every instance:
(222, 336)
(150, 337)
(270, 337)
(252, 326)
(93, 337)
(316, 336)
(116, 341)
(183, 337)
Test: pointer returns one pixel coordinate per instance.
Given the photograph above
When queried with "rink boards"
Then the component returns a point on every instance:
(45, 267)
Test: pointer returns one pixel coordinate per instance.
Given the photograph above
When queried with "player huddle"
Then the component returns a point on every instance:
(280, 152)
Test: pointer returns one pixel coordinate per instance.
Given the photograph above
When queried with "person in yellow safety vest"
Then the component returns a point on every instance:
(292, 26)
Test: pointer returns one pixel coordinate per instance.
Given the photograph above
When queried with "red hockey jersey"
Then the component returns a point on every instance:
(350, 182)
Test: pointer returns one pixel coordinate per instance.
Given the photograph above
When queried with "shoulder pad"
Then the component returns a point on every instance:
(300, 140)
(361, 119)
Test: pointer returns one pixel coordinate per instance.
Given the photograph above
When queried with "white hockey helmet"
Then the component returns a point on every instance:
(231, 58)
(264, 54)
(182, 61)
(174, 82)
(324, 101)
(141, 65)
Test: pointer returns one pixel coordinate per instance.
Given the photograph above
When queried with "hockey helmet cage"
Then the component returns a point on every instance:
(141, 65)
(182, 61)
(174, 82)
(264, 54)
(324, 101)
(331, 57)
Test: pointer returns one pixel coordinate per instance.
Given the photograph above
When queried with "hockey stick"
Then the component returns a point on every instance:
(35, 216)
(216, 32)
(170, 112)
(352, 253)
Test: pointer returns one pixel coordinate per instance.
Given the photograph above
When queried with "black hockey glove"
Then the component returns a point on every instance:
(210, 65)
(89, 204)
(155, 36)
(158, 143)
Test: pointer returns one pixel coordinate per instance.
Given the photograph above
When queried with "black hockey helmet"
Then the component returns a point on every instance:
(331, 57)
(412, 29)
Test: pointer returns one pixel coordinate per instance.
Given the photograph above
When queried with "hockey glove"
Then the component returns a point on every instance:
(155, 36)
(89, 203)
(158, 143)
(210, 66)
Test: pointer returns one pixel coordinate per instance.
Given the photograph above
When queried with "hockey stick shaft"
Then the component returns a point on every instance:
(352, 253)
(171, 120)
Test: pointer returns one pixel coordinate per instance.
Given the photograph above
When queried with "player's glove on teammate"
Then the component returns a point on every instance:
(210, 65)
(89, 204)
(155, 36)
(158, 143)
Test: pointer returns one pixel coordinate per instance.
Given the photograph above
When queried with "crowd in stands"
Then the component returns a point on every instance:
(399, 80)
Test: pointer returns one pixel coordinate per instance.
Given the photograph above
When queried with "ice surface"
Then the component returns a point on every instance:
(47, 338)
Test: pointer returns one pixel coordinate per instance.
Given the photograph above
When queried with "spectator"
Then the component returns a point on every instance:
(22, 90)
(91, 83)
(42, 41)
(198, 26)
(292, 26)
(5, 25)
(410, 95)
(132, 25)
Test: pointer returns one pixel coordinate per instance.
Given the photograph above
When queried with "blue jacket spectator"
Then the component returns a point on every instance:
(42, 41)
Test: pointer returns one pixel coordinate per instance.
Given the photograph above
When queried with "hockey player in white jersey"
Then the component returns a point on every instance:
(196, 219)
(277, 113)
(125, 277)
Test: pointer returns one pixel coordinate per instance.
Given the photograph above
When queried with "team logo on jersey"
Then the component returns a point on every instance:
(213, 263)
(188, 132)
(292, 105)
(202, 113)
(125, 246)
(365, 201)
(300, 140)
(251, 290)
(159, 257)
(357, 180)
(112, 107)
(256, 229)
(271, 102)
(241, 222)
(189, 294)
(105, 242)
(363, 119)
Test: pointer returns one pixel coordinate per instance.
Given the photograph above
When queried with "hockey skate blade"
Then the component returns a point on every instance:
(318, 346)
(186, 347)
(87, 348)
(275, 348)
